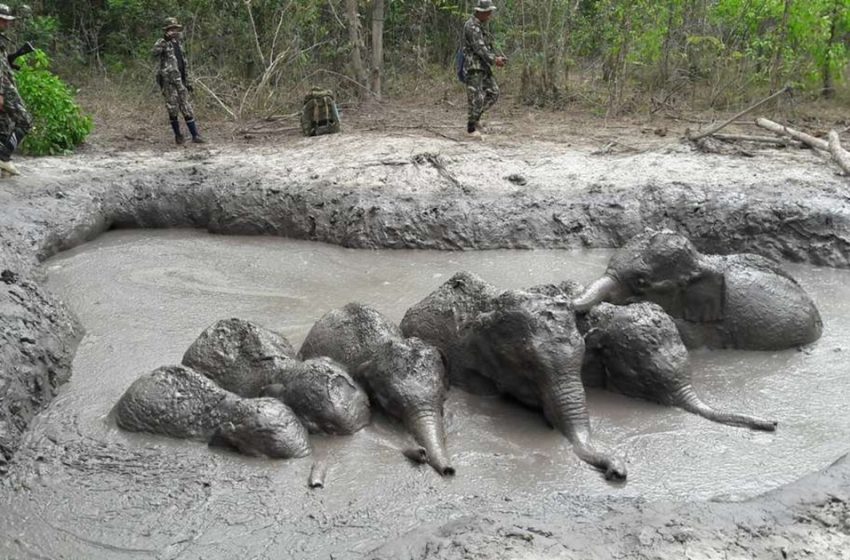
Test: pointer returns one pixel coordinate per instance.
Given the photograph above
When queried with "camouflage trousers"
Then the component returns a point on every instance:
(15, 122)
(177, 101)
(482, 92)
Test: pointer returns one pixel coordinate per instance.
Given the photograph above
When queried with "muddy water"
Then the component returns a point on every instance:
(84, 489)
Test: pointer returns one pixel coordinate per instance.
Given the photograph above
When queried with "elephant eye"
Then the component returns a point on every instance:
(641, 282)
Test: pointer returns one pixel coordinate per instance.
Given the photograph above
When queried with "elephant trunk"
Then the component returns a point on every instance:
(427, 428)
(566, 409)
(687, 399)
(606, 288)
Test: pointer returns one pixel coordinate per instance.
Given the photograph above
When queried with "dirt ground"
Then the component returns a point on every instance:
(443, 115)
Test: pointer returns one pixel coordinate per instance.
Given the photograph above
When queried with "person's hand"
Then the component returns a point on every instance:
(501, 61)
(2, 104)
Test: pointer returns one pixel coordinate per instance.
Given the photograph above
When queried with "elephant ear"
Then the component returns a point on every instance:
(704, 298)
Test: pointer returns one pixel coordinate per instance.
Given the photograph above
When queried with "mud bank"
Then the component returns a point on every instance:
(362, 191)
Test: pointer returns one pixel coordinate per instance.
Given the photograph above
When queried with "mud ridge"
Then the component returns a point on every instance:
(365, 195)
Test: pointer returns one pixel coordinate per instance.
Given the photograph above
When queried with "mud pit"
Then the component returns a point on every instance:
(80, 488)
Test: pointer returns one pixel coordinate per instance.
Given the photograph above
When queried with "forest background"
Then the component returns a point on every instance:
(252, 58)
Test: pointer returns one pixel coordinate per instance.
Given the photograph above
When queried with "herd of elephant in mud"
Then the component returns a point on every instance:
(245, 387)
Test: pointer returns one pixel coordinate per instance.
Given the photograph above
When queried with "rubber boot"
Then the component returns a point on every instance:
(178, 136)
(193, 129)
(7, 168)
(473, 132)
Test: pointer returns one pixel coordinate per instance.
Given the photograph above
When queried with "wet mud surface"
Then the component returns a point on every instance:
(368, 192)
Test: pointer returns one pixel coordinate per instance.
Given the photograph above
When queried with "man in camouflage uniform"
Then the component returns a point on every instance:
(172, 77)
(479, 57)
(15, 121)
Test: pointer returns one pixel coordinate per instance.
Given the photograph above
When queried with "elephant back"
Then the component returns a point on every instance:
(240, 356)
(765, 309)
(349, 335)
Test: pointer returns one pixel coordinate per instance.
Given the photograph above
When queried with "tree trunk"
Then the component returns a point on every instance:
(780, 44)
(828, 85)
(377, 46)
(354, 38)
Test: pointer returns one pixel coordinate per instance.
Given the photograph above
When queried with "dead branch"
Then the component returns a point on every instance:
(839, 154)
(217, 99)
(755, 139)
(782, 130)
(743, 113)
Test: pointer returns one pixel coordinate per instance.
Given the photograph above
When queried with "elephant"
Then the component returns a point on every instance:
(251, 361)
(437, 320)
(636, 350)
(742, 301)
(524, 344)
(405, 377)
(179, 402)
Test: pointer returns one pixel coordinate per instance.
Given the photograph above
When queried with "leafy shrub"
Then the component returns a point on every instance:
(59, 124)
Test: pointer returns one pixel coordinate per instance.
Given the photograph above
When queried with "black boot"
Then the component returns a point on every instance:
(193, 129)
(178, 136)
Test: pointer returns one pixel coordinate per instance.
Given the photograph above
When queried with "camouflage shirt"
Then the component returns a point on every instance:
(477, 46)
(6, 76)
(172, 66)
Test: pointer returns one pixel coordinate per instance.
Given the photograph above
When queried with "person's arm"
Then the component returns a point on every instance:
(158, 48)
(5, 82)
(479, 46)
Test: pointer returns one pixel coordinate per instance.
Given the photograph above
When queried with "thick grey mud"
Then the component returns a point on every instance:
(145, 296)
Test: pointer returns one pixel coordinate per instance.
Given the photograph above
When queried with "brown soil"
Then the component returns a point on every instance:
(443, 115)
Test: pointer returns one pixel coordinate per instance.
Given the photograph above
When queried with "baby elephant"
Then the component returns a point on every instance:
(251, 361)
(639, 353)
(517, 343)
(406, 377)
(178, 402)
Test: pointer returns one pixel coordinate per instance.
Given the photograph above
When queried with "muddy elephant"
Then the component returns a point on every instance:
(251, 361)
(736, 301)
(523, 344)
(405, 377)
(636, 350)
(179, 402)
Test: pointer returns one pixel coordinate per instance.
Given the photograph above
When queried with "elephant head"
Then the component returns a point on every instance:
(665, 268)
(407, 378)
(728, 301)
(643, 356)
(529, 346)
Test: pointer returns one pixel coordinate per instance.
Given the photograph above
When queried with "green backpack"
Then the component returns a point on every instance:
(319, 114)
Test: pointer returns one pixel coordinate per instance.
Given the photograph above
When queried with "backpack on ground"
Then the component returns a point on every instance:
(319, 114)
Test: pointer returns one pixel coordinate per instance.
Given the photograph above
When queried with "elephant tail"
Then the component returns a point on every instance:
(687, 399)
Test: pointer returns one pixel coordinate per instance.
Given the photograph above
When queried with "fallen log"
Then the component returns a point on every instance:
(839, 154)
(782, 130)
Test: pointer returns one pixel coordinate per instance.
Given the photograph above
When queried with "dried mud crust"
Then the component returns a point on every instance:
(372, 191)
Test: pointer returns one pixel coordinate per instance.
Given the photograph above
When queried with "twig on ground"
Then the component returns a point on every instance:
(743, 113)
(756, 139)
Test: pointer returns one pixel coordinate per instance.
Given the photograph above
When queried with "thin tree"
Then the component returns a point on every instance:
(355, 38)
(377, 46)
